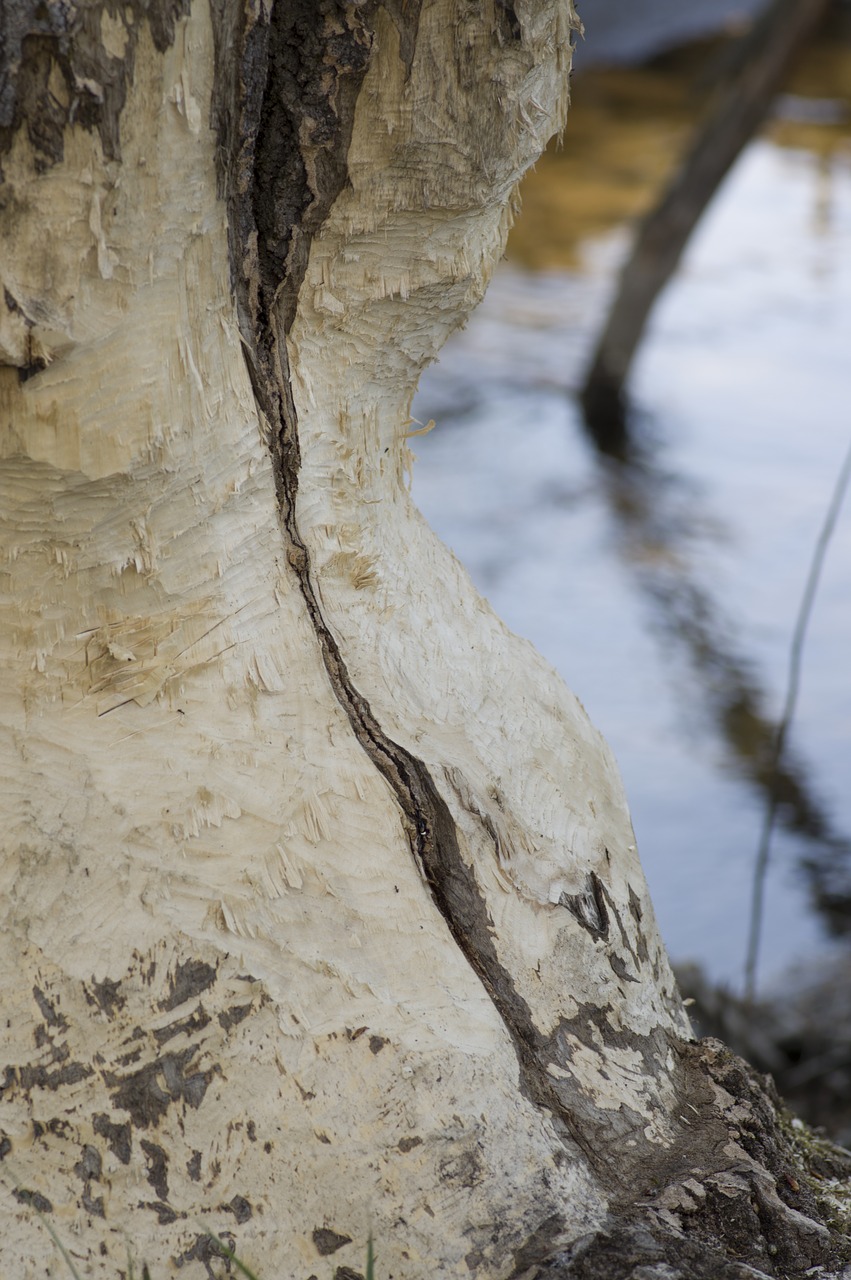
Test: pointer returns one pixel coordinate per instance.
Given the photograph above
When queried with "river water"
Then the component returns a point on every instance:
(619, 32)
(666, 593)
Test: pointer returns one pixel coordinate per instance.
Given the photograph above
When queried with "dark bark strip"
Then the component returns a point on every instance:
(589, 907)
(280, 189)
(318, 57)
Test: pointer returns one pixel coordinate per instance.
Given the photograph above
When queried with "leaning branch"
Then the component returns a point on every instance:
(739, 109)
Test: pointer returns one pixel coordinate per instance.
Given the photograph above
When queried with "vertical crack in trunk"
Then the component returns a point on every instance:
(431, 832)
(279, 193)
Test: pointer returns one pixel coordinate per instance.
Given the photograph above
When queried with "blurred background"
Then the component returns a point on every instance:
(664, 578)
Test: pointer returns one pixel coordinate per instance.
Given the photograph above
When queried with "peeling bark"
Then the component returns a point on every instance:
(322, 909)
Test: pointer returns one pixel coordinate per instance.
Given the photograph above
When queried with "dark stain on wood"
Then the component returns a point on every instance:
(538, 1245)
(107, 995)
(240, 1208)
(619, 968)
(147, 1094)
(588, 906)
(93, 1204)
(34, 1199)
(636, 911)
(190, 1025)
(165, 1214)
(118, 1136)
(233, 1016)
(38, 39)
(56, 1127)
(156, 1161)
(189, 979)
(90, 1165)
(27, 1078)
(328, 1241)
(463, 1170)
(48, 1011)
(206, 1250)
(89, 1169)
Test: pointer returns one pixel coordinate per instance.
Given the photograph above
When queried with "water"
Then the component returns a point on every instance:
(667, 597)
(619, 32)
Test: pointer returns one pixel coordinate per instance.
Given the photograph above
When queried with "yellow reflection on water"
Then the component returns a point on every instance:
(628, 126)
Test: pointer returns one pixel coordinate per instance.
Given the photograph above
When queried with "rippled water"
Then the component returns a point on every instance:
(667, 596)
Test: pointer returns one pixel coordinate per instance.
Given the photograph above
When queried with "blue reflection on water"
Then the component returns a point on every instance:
(623, 31)
(742, 390)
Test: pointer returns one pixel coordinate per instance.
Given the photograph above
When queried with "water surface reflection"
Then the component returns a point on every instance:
(656, 529)
(665, 588)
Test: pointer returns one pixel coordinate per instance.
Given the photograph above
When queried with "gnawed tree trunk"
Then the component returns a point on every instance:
(322, 910)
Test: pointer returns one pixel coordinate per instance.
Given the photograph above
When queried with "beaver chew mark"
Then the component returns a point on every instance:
(287, 135)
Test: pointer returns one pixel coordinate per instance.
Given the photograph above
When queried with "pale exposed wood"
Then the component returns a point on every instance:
(243, 989)
(185, 787)
(442, 674)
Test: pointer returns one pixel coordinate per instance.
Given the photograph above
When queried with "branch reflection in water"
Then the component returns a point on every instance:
(739, 395)
(658, 524)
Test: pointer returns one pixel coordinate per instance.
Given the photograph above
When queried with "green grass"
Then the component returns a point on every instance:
(131, 1270)
(229, 1254)
(20, 1195)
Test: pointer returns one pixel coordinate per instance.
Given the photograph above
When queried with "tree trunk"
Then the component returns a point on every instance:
(322, 909)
